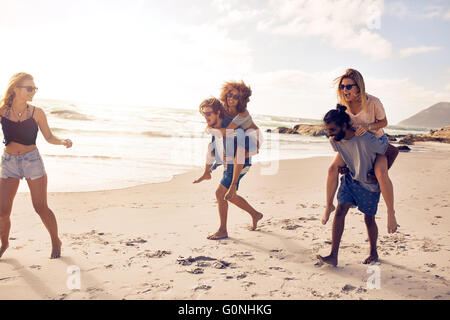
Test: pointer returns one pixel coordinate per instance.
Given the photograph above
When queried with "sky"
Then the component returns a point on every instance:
(175, 53)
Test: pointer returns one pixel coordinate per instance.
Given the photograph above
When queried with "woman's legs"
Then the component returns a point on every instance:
(38, 190)
(8, 190)
(387, 190)
(332, 183)
(391, 154)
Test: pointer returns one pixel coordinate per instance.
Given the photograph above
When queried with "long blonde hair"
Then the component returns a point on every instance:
(356, 76)
(9, 95)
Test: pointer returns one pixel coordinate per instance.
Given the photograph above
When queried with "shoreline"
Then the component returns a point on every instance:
(425, 146)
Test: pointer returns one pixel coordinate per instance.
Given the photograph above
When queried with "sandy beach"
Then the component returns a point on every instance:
(149, 241)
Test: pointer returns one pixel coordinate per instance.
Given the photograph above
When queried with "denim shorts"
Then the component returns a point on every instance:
(351, 191)
(228, 177)
(28, 165)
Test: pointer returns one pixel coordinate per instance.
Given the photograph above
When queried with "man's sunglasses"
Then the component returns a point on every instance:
(29, 88)
(207, 114)
(348, 86)
(234, 96)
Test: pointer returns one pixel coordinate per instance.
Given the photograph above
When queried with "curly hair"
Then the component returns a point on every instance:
(244, 94)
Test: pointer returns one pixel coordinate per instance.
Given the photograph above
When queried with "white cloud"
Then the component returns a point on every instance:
(402, 11)
(293, 92)
(349, 25)
(417, 50)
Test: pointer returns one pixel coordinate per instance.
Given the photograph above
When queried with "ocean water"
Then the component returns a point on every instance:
(118, 146)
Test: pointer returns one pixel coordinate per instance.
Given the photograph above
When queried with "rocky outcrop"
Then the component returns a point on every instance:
(442, 135)
(316, 130)
(313, 130)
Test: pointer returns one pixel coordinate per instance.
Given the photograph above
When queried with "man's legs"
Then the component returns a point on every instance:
(338, 229)
(244, 205)
(222, 204)
(372, 231)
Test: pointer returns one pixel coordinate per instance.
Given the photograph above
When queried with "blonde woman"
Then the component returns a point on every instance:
(367, 115)
(21, 159)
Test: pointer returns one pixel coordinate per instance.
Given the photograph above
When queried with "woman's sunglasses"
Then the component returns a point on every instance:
(234, 96)
(348, 86)
(29, 88)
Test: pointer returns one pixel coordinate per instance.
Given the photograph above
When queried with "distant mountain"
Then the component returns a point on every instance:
(436, 116)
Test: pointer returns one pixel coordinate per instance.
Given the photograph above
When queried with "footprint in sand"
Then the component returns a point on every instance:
(430, 246)
(203, 287)
(241, 276)
(35, 266)
(291, 227)
(158, 254)
(131, 243)
(218, 264)
(277, 269)
(348, 288)
(242, 255)
(196, 271)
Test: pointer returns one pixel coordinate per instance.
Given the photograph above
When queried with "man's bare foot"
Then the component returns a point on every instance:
(371, 258)
(56, 250)
(3, 248)
(328, 260)
(205, 176)
(218, 235)
(256, 218)
(326, 215)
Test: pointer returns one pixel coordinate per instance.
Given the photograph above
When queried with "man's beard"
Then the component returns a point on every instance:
(339, 136)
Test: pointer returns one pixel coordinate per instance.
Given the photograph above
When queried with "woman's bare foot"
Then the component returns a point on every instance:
(218, 235)
(326, 215)
(372, 258)
(328, 260)
(256, 218)
(56, 250)
(3, 248)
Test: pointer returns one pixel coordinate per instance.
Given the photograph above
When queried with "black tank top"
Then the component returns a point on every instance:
(23, 132)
